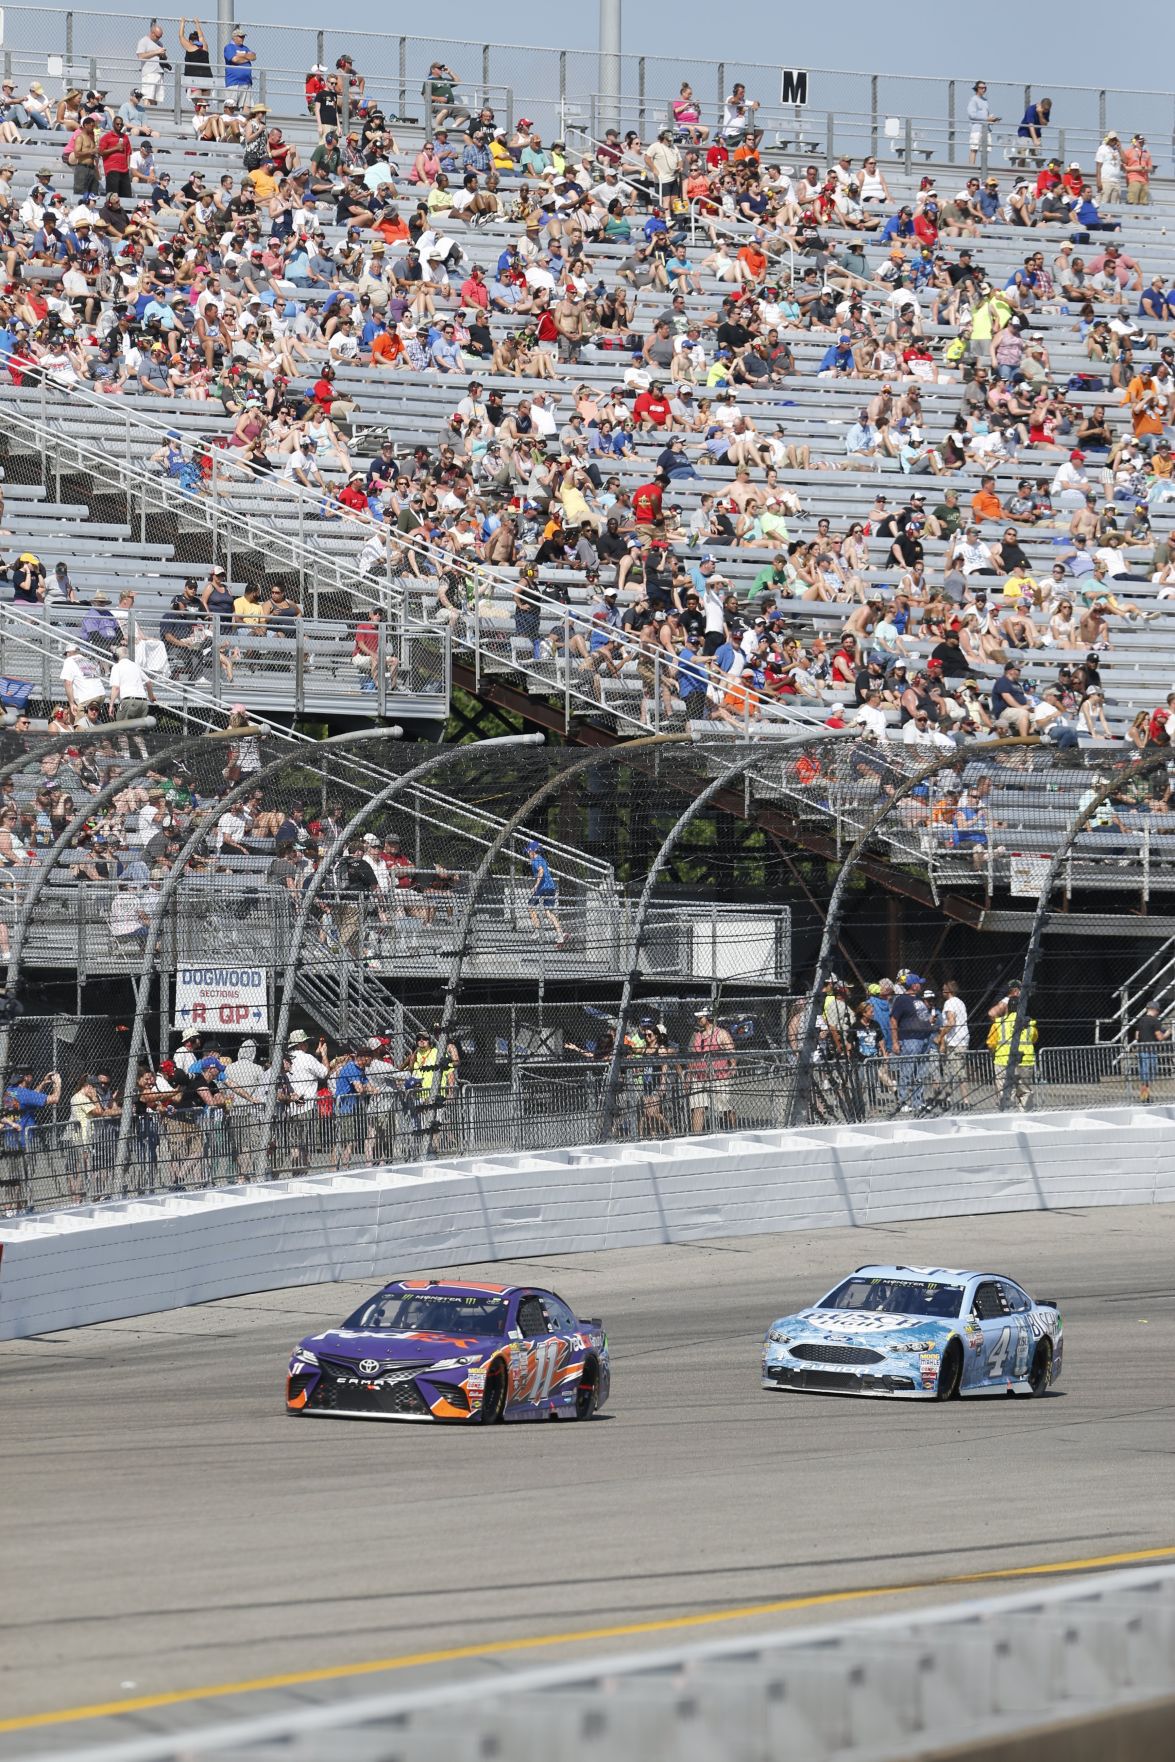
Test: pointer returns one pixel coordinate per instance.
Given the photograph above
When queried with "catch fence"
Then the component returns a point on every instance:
(670, 1092)
(514, 946)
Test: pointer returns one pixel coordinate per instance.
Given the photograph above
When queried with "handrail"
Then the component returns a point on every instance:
(438, 562)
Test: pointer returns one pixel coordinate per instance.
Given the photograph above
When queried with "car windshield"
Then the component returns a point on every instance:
(894, 1296)
(431, 1312)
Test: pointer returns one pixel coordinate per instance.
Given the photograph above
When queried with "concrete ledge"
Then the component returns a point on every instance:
(133, 1257)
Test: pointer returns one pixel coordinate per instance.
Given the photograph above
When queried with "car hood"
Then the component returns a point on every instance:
(411, 1348)
(864, 1328)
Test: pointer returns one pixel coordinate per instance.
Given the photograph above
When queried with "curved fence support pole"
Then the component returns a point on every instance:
(64, 839)
(448, 756)
(61, 743)
(202, 827)
(668, 845)
(1140, 767)
(961, 755)
(598, 756)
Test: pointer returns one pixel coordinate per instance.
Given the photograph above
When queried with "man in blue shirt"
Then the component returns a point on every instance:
(898, 226)
(1009, 701)
(544, 895)
(27, 1103)
(351, 1090)
(838, 358)
(238, 59)
(475, 156)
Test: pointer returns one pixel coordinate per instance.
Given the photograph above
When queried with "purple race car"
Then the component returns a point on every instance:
(449, 1349)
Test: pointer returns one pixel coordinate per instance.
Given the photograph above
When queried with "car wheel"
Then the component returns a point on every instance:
(1041, 1374)
(587, 1393)
(493, 1402)
(950, 1373)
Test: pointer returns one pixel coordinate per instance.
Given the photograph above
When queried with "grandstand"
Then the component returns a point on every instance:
(400, 546)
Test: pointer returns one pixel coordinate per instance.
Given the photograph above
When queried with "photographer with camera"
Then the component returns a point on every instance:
(153, 57)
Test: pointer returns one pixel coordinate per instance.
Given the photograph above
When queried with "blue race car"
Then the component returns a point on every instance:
(450, 1349)
(918, 1332)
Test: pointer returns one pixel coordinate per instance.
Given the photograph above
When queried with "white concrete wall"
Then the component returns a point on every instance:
(132, 1258)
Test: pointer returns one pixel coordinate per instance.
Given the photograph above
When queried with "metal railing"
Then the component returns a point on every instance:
(545, 1105)
(483, 627)
(1153, 978)
(541, 78)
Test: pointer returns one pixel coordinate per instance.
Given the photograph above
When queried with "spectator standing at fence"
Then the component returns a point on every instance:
(306, 1071)
(131, 692)
(954, 1040)
(709, 1071)
(154, 64)
(981, 119)
(1014, 1027)
(1032, 124)
(244, 1082)
(1138, 165)
(351, 1092)
(197, 56)
(910, 1030)
(1148, 1037)
(24, 1105)
(238, 60)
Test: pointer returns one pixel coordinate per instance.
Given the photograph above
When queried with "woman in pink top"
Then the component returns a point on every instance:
(426, 166)
(687, 118)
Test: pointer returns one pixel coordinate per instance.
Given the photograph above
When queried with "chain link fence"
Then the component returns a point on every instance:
(366, 950)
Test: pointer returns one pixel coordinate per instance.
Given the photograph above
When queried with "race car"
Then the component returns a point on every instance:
(448, 1350)
(918, 1333)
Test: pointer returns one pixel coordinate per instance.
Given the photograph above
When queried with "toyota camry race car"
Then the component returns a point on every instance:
(913, 1331)
(432, 1349)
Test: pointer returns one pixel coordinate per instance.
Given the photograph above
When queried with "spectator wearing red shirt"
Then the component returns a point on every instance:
(646, 501)
(651, 409)
(354, 495)
(716, 155)
(1049, 177)
(474, 291)
(323, 391)
(926, 224)
(394, 858)
(365, 655)
(114, 150)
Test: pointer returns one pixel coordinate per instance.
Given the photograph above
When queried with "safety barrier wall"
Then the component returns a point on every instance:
(122, 1259)
(1077, 1672)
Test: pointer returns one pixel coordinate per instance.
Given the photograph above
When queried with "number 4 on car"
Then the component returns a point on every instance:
(928, 1333)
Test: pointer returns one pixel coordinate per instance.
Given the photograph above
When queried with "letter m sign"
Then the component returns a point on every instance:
(793, 86)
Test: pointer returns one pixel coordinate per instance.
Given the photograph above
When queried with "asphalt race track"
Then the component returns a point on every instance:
(168, 1530)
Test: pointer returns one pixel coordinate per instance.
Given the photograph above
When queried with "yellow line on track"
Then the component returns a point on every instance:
(537, 1642)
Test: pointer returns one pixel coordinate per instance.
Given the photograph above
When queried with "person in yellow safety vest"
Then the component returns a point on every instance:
(1000, 1038)
(430, 1097)
(423, 1066)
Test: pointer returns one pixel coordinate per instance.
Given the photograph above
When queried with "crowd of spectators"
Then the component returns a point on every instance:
(200, 1115)
(253, 291)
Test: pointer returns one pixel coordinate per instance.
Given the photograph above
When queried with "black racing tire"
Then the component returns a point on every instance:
(950, 1373)
(587, 1392)
(493, 1401)
(1040, 1376)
